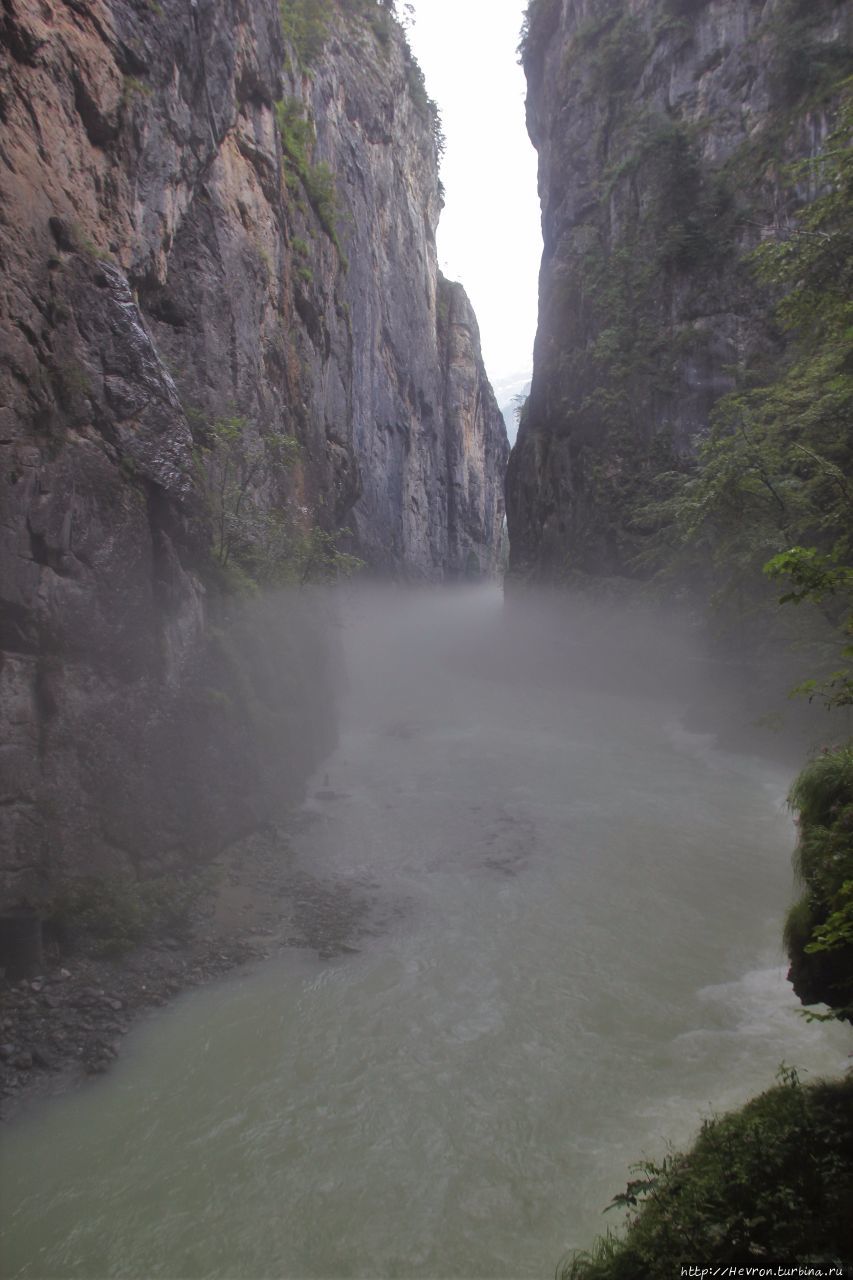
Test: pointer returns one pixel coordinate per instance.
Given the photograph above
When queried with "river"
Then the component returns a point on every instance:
(570, 953)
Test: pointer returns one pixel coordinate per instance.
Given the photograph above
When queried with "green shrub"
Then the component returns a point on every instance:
(616, 55)
(259, 540)
(297, 134)
(322, 192)
(379, 20)
(305, 26)
(803, 66)
(539, 23)
(771, 1182)
(819, 928)
(234, 461)
(823, 787)
(296, 131)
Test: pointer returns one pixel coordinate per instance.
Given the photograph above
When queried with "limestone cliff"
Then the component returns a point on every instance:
(224, 340)
(665, 131)
(475, 445)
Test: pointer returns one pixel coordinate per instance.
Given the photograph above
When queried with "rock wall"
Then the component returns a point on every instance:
(475, 442)
(421, 437)
(221, 344)
(665, 131)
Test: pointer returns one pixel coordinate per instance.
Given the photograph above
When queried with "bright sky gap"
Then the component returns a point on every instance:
(489, 236)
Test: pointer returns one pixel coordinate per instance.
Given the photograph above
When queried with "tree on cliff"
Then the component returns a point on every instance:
(771, 490)
(771, 487)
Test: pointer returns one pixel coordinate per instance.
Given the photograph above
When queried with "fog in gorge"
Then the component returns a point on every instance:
(539, 926)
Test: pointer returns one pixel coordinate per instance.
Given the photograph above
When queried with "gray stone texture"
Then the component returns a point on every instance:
(719, 75)
(165, 268)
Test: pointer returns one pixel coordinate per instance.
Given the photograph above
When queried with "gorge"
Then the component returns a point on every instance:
(508, 915)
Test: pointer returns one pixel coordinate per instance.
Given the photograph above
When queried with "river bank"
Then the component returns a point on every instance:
(65, 1026)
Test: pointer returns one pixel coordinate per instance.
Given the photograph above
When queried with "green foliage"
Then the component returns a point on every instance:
(824, 785)
(821, 923)
(233, 460)
(314, 557)
(424, 103)
(378, 17)
(813, 576)
(613, 48)
(297, 134)
(305, 26)
(114, 914)
(321, 189)
(821, 579)
(539, 22)
(236, 461)
(813, 261)
(296, 131)
(615, 358)
(84, 243)
(837, 930)
(259, 538)
(603, 19)
(290, 550)
(773, 1180)
(694, 215)
(804, 67)
(72, 383)
(132, 88)
(770, 485)
(306, 23)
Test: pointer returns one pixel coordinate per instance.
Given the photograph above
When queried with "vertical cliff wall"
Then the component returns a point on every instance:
(223, 341)
(665, 131)
(419, 440)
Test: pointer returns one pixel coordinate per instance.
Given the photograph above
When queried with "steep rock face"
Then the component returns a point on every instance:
(664, 130)
(220, 344)
(416, 434)
(475, 443)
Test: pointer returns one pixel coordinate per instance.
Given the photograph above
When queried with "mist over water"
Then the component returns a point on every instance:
(566, 951)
